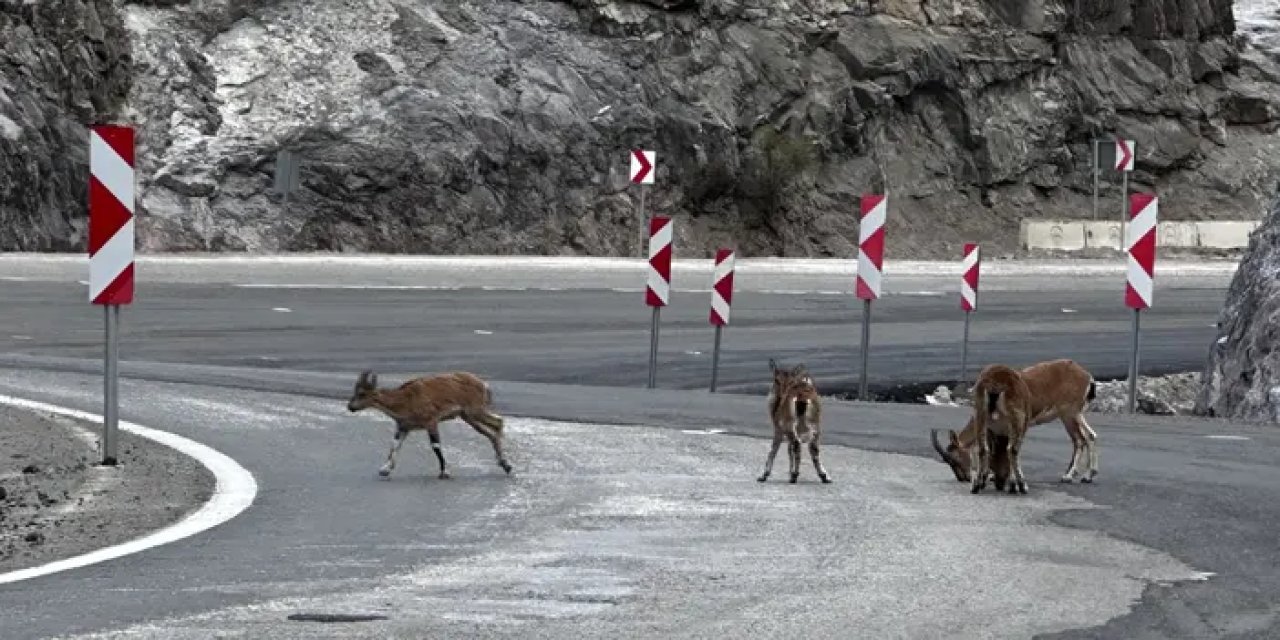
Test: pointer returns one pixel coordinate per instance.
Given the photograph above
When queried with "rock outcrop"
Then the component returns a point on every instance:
(1241, 379)
(64, 64)
(504, 127)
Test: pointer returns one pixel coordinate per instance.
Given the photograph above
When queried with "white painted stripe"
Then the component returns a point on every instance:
(110, 260)
(720, 307)
(111, 170)
(969, 294)
(1140, 226)
(659, 287)
(723, 269)
(970, 260)
(235, 490)
(1227, 437)
(874, 220)
(868, 273)
(1141, 282)
(660, 239)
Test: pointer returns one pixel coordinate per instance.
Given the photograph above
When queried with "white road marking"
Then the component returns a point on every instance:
(693, 353)
(21, 337)
(1065, 310)
(234, 491)
(282, 309)
(15, 278)
(702, 432)
(483, 332)
(374, 287)
(1227, 437)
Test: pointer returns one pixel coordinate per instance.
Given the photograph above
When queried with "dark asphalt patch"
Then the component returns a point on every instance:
(336, 617)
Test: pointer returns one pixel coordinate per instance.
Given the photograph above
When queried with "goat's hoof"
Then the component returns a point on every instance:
(1069, 479)
(382, 473)
(794, 477)
(444, 475)
(1086, 480)
(825, 479)
(506, 466)
(1022, 488)
(975, 489)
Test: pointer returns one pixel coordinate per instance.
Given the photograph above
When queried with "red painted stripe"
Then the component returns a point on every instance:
(120, 291)
(865, 292)
(106, 215)
(870, 201)
(874, 248)
(119, 138)
(1132, 299)
(1144, 252)
(1138, 202)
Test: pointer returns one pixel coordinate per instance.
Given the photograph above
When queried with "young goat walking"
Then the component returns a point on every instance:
(425, 402)
(796, 412)
(1001, 407)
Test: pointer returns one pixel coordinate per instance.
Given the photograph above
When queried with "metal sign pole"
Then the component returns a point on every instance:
(866, 341)
(1094, 170)
(653, 348)
(644, 234)
(715, 360)
(964, 350)
(110, 385)
(1124, 203)
(1133, 363)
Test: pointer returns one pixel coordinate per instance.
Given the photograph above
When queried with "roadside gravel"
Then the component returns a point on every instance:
(57, 502)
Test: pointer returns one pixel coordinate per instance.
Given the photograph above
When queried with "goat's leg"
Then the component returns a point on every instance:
(402, 433)
(1090, 438)
(817, 461)
(979, 461)
(494, 438)
(1018, 483)
(773, 453)
(793, 452)
(433, 432)
(1077, 449)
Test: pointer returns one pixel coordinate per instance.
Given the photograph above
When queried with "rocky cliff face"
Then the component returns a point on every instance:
(438, 126)
(1241, 379)
(64, 64)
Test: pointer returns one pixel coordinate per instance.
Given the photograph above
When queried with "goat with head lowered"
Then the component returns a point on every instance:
(1060, 389)
(796, 412)
(423, 403)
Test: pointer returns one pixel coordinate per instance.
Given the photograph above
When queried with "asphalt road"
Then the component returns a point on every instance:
(267, 388)
(540, 327)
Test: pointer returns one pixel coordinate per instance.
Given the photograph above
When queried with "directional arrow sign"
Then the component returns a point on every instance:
(1124, 155)
(642, 166)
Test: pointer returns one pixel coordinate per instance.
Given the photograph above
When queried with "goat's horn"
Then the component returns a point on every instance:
(933, 436)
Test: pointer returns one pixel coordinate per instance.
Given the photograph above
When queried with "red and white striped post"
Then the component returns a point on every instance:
(969, 268)
(721, 301)
(111, 243)
(1144, 209)
(870, 268)
(658, 286)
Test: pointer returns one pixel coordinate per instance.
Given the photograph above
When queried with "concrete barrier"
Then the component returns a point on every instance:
(1075, 235)
(1225, 235)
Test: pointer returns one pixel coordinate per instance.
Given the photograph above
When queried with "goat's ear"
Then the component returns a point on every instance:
(373, 380)
(955, 440)
(773, 366)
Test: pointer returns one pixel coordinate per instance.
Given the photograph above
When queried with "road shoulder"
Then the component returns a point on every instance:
(58, 502)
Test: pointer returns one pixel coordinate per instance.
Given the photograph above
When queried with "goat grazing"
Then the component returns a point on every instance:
(425, 402)
(1001, 403)
(1060, 389)
(796, 412)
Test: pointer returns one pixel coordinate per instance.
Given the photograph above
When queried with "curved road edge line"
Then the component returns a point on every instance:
(234, 490)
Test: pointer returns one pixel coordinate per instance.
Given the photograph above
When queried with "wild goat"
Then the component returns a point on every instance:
(1060, 389)
(1002, 405)
(796, 412)
(425, 402)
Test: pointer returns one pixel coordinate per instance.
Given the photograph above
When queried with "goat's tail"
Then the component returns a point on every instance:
(993, 399)
(1093, 391)
(489, 417)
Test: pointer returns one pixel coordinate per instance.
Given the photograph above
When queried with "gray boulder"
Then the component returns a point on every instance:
(1241, 379)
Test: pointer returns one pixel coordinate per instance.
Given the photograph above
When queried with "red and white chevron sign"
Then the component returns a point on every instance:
(1140, 238)
(111, 204)
(722, 287)
(658, 286)
(642, 163)
(969, 277)
(871, 245)
(1124, 155)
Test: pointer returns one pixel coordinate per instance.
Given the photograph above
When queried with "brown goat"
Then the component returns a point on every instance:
(425, 402)
(1001, 407)
(796, 412)
(1060, 389)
